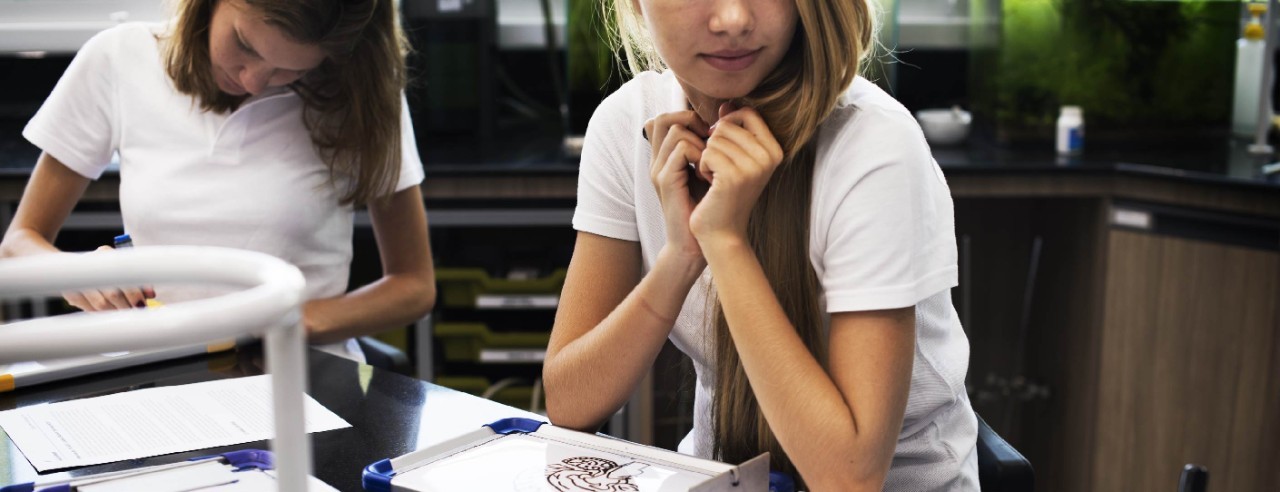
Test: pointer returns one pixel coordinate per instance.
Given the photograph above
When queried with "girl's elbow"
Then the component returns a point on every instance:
(562, 409)
(851, 482)
(427, 298)
(563, 414)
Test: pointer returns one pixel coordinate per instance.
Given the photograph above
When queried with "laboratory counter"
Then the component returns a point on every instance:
(1226, 178)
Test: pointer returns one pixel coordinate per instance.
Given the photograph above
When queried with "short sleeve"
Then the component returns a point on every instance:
(77, 122)
(890, 241)
(606, 186)
(411, 173)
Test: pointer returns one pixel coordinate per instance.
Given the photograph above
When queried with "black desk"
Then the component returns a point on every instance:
(390, 414)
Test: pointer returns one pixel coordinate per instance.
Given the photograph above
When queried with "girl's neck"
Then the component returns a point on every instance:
(707, 107)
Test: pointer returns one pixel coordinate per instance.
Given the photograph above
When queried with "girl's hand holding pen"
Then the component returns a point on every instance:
(677, 140)
(738, 161)
(110, 298)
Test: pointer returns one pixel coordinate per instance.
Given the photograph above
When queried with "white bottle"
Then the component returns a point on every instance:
(1249, 61)
(1071, 130)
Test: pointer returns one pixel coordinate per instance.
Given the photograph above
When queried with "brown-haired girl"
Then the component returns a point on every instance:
(782, 221)
(252, 124)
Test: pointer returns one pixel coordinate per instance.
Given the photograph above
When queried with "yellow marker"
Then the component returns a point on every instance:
(152, 303)
(6, 382)
(221, 346)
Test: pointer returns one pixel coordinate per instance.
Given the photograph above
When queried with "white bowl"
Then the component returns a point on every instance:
(944, 126)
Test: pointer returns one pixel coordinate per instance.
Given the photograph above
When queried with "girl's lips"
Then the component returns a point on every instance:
(731, 60)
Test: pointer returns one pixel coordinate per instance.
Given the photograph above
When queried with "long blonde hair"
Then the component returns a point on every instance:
(831, 40)
(351, 101)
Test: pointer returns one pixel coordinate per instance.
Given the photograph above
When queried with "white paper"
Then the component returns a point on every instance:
(151, 422)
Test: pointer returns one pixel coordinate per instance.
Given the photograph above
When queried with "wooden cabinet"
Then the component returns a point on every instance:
(1151, 330)
(1188, 364)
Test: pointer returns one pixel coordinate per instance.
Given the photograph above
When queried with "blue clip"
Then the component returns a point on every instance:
(244, 459)
(515, 424)
(781, 482)
(377, 477)
(31, 486)
(251, 459)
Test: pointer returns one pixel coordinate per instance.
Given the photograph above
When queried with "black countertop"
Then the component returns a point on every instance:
(390, 414)
(1229, 165)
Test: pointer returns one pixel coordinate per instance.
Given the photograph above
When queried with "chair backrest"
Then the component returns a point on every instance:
(1001, 468)
(269, 306)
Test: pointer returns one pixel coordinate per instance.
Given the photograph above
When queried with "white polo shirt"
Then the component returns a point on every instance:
(882, 236)
(250, 179)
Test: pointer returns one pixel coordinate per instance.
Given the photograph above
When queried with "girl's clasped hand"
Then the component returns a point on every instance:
(708, 177)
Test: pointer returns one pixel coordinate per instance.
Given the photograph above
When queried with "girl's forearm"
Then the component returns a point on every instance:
(393, 300)
(593, 376)
(805, 409)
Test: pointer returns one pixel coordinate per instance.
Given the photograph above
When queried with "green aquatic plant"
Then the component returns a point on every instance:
(1129, 64)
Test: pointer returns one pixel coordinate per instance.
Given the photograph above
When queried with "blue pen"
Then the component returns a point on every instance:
(124, 241)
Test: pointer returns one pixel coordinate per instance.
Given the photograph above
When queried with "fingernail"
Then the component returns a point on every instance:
(644, 133)
(141, 304)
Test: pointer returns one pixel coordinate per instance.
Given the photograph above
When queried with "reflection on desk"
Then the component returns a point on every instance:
(390, 414)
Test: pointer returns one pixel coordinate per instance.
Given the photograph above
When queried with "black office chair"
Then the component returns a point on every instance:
(1001, 468)
(383, 355)
(1195, 478)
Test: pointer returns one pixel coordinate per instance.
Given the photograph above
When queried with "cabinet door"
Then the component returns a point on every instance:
(1189, 370)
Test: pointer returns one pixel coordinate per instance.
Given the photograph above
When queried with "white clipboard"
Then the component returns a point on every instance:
(248, 470)
(521, 454)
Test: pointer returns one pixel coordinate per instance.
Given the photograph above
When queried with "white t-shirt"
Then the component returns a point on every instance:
(882, 236)
(250, 179)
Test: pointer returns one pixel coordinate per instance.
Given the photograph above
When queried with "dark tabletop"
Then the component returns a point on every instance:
(1225, 165)
(390, 414)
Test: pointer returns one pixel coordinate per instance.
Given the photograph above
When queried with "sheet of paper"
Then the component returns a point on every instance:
(151, 422)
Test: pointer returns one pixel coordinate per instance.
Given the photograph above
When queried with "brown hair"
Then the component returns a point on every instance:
(351, 101)
(831, 39)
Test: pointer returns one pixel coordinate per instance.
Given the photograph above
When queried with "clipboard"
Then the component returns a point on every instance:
(20, 375)
(523, 454)
(245, 470)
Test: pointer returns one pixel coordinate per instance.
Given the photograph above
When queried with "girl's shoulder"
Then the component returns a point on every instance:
(126, 36)
(868, 117)
(645, 96)
(870, 131)
(865, 107)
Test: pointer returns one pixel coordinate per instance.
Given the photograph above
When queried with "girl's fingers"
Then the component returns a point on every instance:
(134, 297)
(655, 130)
(675, 137)
(746, 142)
(749, 119)
(95, 301)
(735, 161)
(679, 160)
(77, 300)
(116, 299)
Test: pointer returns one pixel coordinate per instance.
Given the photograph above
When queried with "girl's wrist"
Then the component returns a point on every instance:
(718, 243)
(687, 266)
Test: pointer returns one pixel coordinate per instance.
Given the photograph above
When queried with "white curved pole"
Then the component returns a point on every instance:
(269, 305)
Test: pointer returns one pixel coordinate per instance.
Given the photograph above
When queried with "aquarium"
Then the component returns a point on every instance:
(1144, 72)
